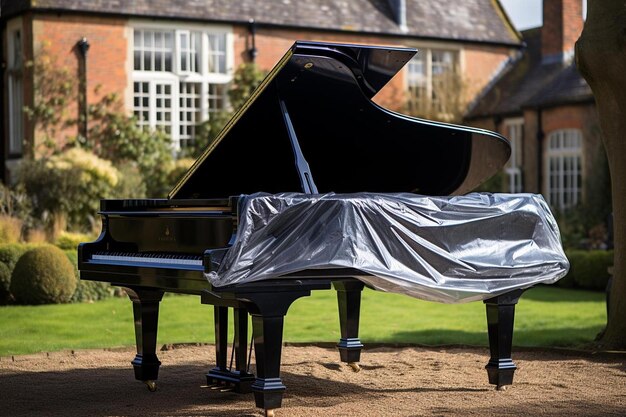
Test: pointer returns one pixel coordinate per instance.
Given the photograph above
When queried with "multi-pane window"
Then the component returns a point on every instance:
(442, 67)
(217, 97)
(217, 53)
(431, 76)
(515, 134)
(564, 168)
(153, 50)
(141, 103)
(163, 107)
(180, 77)
(190, 114)
(16, 92)
(189, 44)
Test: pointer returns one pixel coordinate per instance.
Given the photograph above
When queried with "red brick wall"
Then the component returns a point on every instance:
(481, 63)
(106, 59)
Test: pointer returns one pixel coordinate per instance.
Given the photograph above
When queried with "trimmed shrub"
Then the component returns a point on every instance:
(5, 282)
(588, 269)
(10, 253)
(43, 275)
(87, 291)
(70, 241)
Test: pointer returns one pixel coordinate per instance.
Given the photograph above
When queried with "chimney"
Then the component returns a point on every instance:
(398, 8)
(562, 25)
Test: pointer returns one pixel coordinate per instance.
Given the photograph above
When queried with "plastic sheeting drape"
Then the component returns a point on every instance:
(446, 249)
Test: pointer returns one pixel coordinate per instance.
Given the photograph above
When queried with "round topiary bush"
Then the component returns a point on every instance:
(43, 275)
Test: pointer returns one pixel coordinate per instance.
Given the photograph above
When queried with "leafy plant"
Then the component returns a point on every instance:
(246, 79)
(447, 101)
(116, 137)
(70, 241)
(67, 188)
(54, 89)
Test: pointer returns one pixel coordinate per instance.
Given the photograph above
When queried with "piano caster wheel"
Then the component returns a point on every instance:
(501, 387)
(269, 413)
(152, 385)
(354, 366)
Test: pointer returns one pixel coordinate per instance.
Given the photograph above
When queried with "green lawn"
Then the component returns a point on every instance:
(545, 316)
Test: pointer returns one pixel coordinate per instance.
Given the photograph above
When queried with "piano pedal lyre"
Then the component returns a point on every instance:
(152, 385)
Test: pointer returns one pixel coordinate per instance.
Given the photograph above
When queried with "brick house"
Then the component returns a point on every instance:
(171, 61)
(544, 106)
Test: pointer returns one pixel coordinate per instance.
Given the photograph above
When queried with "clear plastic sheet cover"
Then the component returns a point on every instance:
(446, 249)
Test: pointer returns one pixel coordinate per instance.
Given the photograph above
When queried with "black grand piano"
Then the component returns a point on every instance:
(310, 127)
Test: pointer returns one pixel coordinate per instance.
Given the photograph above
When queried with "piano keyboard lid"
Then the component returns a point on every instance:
(311, 126)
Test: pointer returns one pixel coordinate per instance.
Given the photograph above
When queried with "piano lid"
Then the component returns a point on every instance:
(311, 127)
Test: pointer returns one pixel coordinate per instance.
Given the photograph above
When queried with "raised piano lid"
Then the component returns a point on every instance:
(351, 144)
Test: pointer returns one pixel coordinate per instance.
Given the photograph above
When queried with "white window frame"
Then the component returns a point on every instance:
(563, 172)
(15, 87)
(177, 75)
(426, 51)
(514, 131)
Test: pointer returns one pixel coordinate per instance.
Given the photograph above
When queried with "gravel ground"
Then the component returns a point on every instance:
(407, 381)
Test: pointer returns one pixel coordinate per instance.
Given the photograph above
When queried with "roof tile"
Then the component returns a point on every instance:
(469, 20)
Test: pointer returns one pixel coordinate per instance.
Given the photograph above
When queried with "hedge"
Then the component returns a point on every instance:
(87, 290)
(588, 269)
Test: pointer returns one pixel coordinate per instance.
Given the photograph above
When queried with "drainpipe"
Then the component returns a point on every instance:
(252, 52)
(83, 47)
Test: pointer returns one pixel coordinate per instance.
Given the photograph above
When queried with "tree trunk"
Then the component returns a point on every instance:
(601, 59)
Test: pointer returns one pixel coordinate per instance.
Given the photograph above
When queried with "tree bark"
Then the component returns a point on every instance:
(601, 59)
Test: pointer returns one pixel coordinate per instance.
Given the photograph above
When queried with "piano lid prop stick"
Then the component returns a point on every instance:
(304, 171)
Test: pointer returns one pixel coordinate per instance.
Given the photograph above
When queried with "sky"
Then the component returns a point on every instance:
(526, 14)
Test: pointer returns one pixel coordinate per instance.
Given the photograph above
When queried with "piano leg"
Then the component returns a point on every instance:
(349, 302)
(268, 313)
(245, 379)
(500, 316)
(240, 379)
(146, 314)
